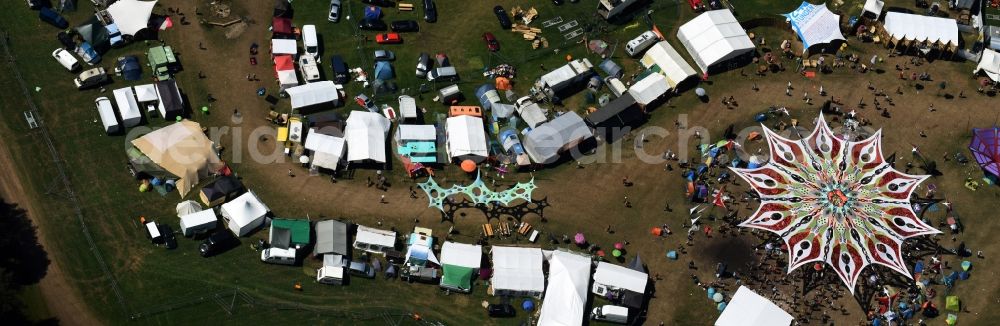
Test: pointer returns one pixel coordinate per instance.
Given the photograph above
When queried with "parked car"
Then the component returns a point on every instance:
(423, 64)
(388, 38)
(501, 310)
(364, 102)
(384, 55)
(372, 24)
(502, 17)
(66, 59)
(218, 243)
(491, 42)
(380, 3)
(404, 26)
(443, 74)
(91, 78)
(362, 269)
(168, 236)
(430, 11)
(334, 15)
(340, 73)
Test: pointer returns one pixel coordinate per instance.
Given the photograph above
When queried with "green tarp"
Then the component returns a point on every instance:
(457, 277)
(952, 303)
(300, 229)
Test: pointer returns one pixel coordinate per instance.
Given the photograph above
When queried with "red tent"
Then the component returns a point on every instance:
(281, 26)
(283, 62)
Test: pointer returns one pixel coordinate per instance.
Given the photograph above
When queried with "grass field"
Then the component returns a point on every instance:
(165, 287)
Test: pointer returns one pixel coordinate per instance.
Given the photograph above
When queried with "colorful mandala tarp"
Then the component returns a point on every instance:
(477, 191)
(835, 201)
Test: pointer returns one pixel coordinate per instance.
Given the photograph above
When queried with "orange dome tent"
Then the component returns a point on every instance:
(502, 84)
(468, 166)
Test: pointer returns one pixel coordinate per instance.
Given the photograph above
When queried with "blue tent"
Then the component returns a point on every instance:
(53, 18)
(611, 68)
(383, 70)
(88, 53)
(129, 67)
(481, 94)
(373, 12)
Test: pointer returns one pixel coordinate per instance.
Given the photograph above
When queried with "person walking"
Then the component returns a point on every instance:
(381, 199)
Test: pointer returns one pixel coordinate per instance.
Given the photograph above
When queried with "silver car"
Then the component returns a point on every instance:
(334, 11)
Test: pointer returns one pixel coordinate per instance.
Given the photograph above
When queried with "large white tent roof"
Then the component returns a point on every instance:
(990, 64)
(815, 24)
(748, 308)
(283, 46)
(245, 209)
(649, 88)
(669, 62)
(714, 36)
(466, 136)
(620, 277)
(327, 150)
(566, 294)
(312, 94)
(131, 15)
(461, 254)
(375, 236)
(921, 28)
(518, 269)
(874, 6)
(417, 132)
(365, 133)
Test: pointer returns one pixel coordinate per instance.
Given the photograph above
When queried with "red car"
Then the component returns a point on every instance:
(491, 42)
(388, 38)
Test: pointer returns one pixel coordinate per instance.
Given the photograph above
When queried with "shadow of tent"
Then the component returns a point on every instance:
(517, 211)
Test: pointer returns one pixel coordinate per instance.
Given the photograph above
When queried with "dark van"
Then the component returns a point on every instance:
(340, 73)
(217, 243)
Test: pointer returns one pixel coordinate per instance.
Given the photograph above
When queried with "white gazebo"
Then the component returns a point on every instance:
(366, 133)
(713, 37)
(990, 64)
(517, 271)
(244, 213)
(747, 308)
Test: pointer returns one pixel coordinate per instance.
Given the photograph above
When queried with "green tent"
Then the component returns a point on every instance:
(952, 303)
(457, 278)
(951, 320)
(299, 228)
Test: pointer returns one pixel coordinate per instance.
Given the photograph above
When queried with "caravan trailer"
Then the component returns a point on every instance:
(107, 114)
(198, 222)
(639, 44)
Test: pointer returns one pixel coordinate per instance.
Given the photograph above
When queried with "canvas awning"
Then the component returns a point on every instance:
(748, 308)
(365, 133)
(620, 277)
(664, 59)
(518, 269)
(183, 150)
(312, 94)
(466, 137)
(921, 28)
(990, 64)
(283, 46)
(713, 37)
(327, 150)
(566, 294)
(131, 16)
(815, 24)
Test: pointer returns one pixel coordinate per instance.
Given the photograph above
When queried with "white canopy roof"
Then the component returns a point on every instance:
(312, 94)
(566, 294)
(874, 6)
(419, 250)
(815, 24)
(990, 64)
(714, 36)
(187, 207)
(146, 93)
(283, 46)
(748, 308)
(620, 277)
(407, 107)
(518, 269)
(127, 106)
(649, 89)
(466, 136)
(670, 63)
(921, 28)
(461, 254)
(131, 15)
(375, 236)
(327, 150)
(245, 209)
(199, 217)
(417, 132)
(365, 133)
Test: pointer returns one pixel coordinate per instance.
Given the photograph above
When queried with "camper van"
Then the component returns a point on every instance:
(443, 74)
(611, 314)
(198, 222)
(450, 95)
(639, 44)
(107, 114)
(310, 41)
(66, 59)
(91, 78)
(340, 73)
(333, 270)
(278, 256)
(308, 68)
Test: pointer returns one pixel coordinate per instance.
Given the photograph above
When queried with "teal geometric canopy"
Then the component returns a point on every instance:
(476, 191)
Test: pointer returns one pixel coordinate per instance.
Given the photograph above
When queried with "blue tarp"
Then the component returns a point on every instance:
(373, 12)
(88, 53)
(383, 70)
(130, 68)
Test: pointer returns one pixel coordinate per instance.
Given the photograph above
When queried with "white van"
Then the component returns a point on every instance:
(616, 86)
(66, 59)
(443, 74)
(278, 256)
(639, 44)
(309, 68)
(333, 270)
(310, 42)
(107, 114)
(610, 313)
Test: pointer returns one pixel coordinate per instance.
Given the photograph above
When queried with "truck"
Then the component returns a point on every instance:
(333, 270)
(278, 256)
(308, 68)
(610, 313)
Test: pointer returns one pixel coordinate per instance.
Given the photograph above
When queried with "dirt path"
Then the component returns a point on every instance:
(62, 300)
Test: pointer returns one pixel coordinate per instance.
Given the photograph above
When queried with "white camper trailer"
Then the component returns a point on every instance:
(107, 114)
(198, 222)
(333, 270)
(639, 44)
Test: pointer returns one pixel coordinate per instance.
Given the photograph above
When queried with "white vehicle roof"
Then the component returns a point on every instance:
(375, 236)
(309, 35)
(153, 230)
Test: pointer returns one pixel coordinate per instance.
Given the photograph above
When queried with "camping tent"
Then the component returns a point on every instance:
(544, 143)
(327, 150)
(129, 67)
(282, 27)
(664, 59)
(418, 249)
(407, 107)
(383, 70)
(183, 150)
(649, 89)
(313, 94)
(990, 64)
(747, 308)
(374, 240)
(128, 109)
(283, 46)
(244, 213)
(566, 294)
(713, 37)
(517, 271)
(815, 24)
(920, 28)
(612, 276)
(331, 238)
(299, 231)
(611, 68)
(985, 148)
(94, 32)
(365, 133)
(131, 16)
(284, 71)
(221, 190)
(487, 95)
(187, 207)
(466, 138)
(171, 103)
(459, 262)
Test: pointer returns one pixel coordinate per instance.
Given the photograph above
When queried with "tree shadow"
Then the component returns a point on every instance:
(23, 262)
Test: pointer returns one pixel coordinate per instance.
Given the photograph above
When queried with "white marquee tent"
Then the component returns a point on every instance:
(713, 37)
(128, 109)
(619, 277)
(990, 64)
(366, 133)
(283, 46)
(244, 213)
(327, 150)
(668, 63)
(748, 308)
(466, 138)
(313, 93)
(921, 28)
(146, 93)
(566, 294)
(131, 16)
(517, 271)
(649, 89)
(815, 24)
